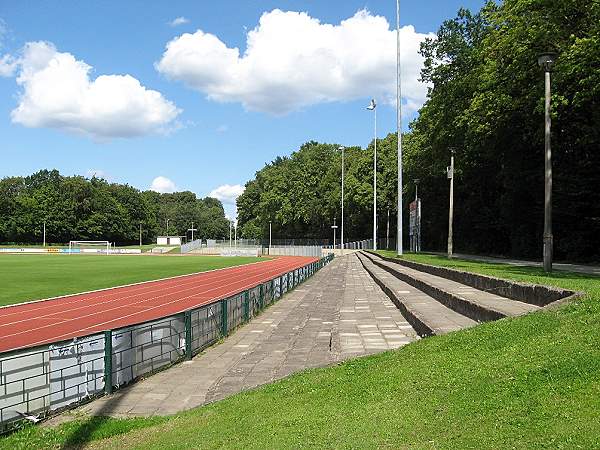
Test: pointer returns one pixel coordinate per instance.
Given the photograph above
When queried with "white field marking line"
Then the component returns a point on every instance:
(267, 274)
(97, 300)
(138, 304)
(66, 335)
(56, 338)
(83, 303)
(16, 305)
(143, 283)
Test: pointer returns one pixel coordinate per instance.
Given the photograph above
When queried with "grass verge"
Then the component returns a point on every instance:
(31, 277)
(529, 382)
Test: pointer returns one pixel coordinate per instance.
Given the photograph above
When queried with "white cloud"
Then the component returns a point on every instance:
(163, 185)
(222, 128)
(293, 61)
(227, 193)
(58, 93)
(8, 65)
(178, 21)
(98, 173)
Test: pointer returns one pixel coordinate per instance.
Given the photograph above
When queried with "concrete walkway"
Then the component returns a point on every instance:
(338, 314)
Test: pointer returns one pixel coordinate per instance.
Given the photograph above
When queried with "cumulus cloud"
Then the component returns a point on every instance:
(227, 193)
(178, 21)
(292, 61)
(8, 65)
(57, 92)
(163, 185)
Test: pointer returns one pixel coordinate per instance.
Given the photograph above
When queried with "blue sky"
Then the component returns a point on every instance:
(198, 114)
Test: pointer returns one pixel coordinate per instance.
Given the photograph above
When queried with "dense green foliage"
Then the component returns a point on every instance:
(32, 277)
(528, 382)
(486, 101)
(301, 194)
(93, 209)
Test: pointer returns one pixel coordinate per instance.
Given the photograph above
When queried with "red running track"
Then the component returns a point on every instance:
(62, 318)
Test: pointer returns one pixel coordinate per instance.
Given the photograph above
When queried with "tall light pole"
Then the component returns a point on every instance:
(373, 107)
(546, 61)
(230, 225)
(140, 234)
(342, 230)
(399, 248)
(44, 233)
(450, 171)
(167, 231)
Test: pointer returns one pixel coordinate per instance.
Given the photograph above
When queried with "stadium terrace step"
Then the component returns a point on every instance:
(479, 305)
(426, 315)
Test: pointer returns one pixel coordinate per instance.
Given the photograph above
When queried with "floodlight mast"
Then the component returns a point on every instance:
(399, 247)
(373, 107)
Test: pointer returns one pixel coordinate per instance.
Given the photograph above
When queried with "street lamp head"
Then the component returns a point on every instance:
(452, 150)
(417, 181)
(546, 60)
(341, 147)
(372, 105)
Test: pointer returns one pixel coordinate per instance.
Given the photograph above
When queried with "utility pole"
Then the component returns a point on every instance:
(451, 209)
(192, 230)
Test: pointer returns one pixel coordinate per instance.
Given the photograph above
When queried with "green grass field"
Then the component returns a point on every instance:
(31, 277)
(529, 382)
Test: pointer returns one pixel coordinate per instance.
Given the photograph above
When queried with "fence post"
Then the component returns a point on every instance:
(246, 305)
(224, 304)
(187, 320)
(108, 386)
(261, 295)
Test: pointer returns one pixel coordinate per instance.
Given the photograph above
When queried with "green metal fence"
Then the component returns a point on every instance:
(43, 380)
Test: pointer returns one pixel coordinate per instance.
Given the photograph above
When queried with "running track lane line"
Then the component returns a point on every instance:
(254, 279)
(85, 300)
(239, 279)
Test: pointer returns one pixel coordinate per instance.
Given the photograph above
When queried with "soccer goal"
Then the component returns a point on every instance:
(89, 247)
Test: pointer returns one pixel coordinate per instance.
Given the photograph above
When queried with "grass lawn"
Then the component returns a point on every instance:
(31, 277)
(529, 382)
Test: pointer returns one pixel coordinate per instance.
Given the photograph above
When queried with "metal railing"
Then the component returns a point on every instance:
(42, 380)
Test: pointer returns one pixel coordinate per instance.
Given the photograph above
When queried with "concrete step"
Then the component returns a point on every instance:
(426, 315)
(479, 305)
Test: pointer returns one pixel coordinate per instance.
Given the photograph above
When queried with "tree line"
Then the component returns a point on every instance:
(487, 103)
(78, 208)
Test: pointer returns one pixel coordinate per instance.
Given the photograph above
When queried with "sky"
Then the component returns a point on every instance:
(198, 95)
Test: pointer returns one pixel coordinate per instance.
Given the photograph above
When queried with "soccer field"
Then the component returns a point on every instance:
(32, 277)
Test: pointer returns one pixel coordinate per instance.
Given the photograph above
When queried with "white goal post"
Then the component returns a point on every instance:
(89, 247)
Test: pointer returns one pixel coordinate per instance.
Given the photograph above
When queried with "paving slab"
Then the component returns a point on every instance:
(337, 314)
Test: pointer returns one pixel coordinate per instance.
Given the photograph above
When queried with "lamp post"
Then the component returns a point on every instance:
(546, 62)
(167, 231)
(230, 225)
(270, 237)
(342, 148)
(44, 233)
(140, 235)
(399, 248)
(450, 171)
(373, 107)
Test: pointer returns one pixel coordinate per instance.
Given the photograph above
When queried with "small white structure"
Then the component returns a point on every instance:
(168, 240)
